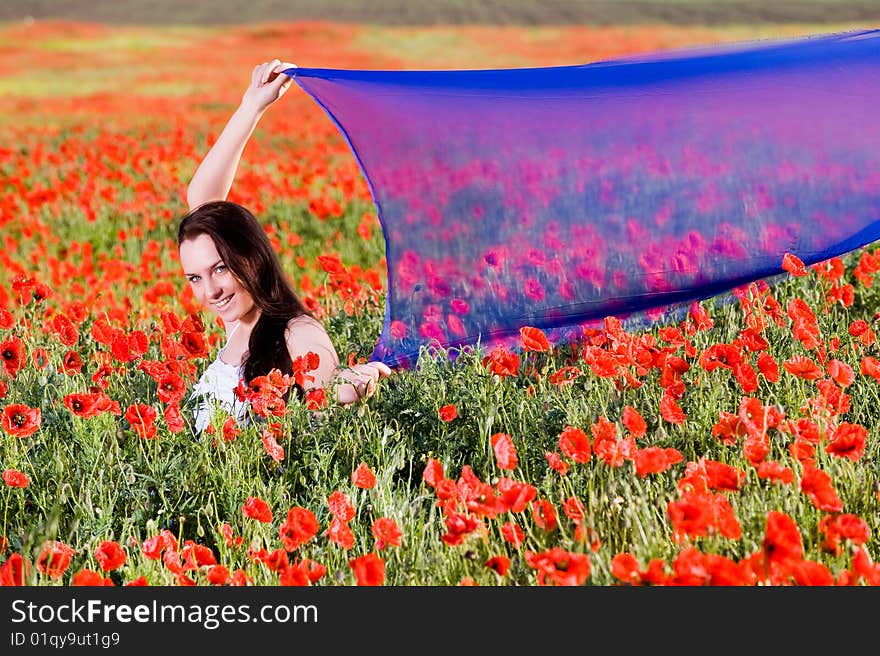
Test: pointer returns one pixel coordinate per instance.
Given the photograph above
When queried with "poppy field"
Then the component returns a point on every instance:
(737, 446)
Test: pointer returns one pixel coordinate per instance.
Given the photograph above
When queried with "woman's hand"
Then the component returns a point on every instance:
(268, 84)
(359, 381)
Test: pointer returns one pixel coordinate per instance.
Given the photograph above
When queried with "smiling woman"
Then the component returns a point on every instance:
(233, 271)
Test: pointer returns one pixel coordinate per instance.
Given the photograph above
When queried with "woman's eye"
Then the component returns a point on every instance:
(220, 268)
(194, 279)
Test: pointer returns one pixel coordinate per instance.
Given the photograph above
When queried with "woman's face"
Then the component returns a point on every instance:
(213, 283)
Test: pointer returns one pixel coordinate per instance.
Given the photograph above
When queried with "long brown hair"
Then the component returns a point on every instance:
(245, 248)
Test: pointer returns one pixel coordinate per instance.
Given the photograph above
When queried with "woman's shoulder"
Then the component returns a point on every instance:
(305, 323)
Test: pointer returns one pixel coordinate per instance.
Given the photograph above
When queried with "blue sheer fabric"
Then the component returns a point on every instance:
(554, 197)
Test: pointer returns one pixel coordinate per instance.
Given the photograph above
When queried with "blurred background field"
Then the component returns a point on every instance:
(451, 12)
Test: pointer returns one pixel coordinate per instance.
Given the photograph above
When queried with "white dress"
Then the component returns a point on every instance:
(216, 387)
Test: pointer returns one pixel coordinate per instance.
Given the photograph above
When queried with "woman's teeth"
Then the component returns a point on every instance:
(224, 302)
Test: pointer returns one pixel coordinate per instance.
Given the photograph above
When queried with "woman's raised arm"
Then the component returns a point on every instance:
(214, 175)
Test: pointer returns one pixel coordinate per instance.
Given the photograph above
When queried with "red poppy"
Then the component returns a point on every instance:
(843, 527)
(82, 405)
(634, 421)
(54, 559)
(841, 372)
(794, 265)
(433, 472)
(565, 376)
(142, 419)
(387, 532)
(782, 541)
(270, 443)
(256, 508)
(870, 366)
(14, 571)
(20, 420)
(88, 577)
(816, 484)
(557, 463)
(768, 367)
(513, 534)
(701, 318)
(15, 478)
(803, 367)
(110, 555)
(774, 471)
(574, 443)
(173, 418)
(448, 412)
(218, 575)
(300, 527)
(340, 506)
(501, 362)
(544, 514)
(557, 566)
(670, 410)
(172, 388)
(12, 355)
(505, 451)
(499, 564)
(848, 441)
(363, 477)
(533, 339)
(515, 495)
(369, 570)
(654, 459)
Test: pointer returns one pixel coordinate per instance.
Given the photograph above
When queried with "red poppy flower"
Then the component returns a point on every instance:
(363, 477)
(782, 540)
(843, 527)
(533, 339)
(794, 265)
(773, 471)
(848, 441)
(557, 566)
(501, 362)
(448, 412)
(505, 451)
(515, 495)
(300, 527)
(500, 564)
(20, 420)
(340, 507)
(803, 367)
(142, 419)
(110, 555)
(433, 472)
(256, 508)
(544, 514)
(557, 463)
(15, 478)
(270, 443)
(173, 418)
(218, 575)
(816, 484)
(841, 372)
(654, 459)
(768, 367)
(870, 366)
(574, 443)
(88, 577)
(54, 559)
(670, 410)
(513, 534)
(14, 571)
(387, 532)
(701, 318)
(634, 421)
(369, 570)
(12, 355)
(82, 405)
